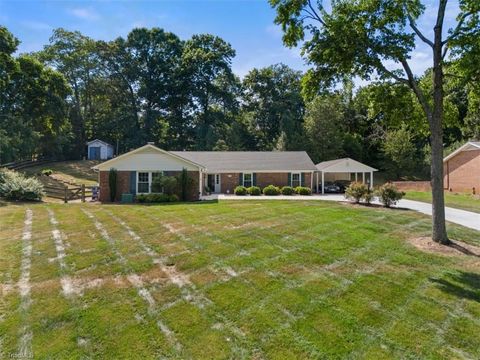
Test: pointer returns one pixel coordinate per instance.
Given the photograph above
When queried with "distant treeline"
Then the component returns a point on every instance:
(183, 95)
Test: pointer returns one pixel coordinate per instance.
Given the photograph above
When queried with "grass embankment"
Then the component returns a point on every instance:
(74, 172)
(236, 280)
(455, 200)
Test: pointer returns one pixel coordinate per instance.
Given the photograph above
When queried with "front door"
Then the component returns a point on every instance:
(94, 153)
(217, 184)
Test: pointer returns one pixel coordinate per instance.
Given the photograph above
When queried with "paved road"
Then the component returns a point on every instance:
(466, 218)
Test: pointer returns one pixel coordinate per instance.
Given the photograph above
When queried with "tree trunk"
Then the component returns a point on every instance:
(439, 231)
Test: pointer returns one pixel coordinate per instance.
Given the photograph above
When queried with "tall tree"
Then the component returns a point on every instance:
(360, 37)
(33, 117)
(273, 96)
(207, 63)
(324, 127)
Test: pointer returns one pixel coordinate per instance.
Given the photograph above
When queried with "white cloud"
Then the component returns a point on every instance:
(85, 14)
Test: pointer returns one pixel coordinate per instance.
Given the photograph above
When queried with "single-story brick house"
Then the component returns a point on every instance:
(462, 169)
(219, 171)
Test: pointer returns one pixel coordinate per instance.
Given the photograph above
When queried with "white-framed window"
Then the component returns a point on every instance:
(143, 182)
(296, 180)
(247, 179)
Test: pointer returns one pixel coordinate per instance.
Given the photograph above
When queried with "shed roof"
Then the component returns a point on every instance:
(471, 145)
(98, 140)
(229, 161)
(344, 165)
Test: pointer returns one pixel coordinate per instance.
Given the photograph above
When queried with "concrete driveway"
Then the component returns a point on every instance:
(465, 218)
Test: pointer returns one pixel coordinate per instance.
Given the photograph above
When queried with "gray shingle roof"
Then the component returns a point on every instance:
(225, 161)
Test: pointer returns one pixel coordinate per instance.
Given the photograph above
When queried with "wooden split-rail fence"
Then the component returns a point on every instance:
(67, 194)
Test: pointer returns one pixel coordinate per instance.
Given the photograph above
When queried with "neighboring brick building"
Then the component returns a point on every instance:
(462, 169)
(220, 171)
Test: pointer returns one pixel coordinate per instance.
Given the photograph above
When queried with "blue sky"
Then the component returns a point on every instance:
(246, 24)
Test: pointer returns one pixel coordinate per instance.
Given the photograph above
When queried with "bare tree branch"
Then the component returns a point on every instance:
(392, 74)
(315, 14)
(416, 89)
(418, 32)
(458, 28)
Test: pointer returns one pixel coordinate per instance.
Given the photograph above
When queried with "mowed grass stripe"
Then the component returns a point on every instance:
(133, 278)
(25, 342)
(279, 279)
(392, 219)
(192, 298)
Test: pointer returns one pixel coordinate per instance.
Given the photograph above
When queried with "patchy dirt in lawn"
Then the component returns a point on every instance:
(456, 248)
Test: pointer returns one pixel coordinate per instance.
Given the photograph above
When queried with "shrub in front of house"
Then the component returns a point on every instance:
(356, 191)
(156, 198)
(240, 190)
(254, 190)
(368, 196)
(16, 186)
(288, 190)
(303, 190)
(388, 194)
(271, 190)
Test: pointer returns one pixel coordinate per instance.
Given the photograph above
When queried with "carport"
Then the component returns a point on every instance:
(343, 169)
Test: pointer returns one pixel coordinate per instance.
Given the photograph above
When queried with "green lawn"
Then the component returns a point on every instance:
(238, 280)
(454, 200)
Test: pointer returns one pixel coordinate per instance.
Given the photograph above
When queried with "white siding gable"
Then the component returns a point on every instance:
(147, 159)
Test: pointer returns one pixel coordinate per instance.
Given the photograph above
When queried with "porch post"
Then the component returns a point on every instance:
(356, 179)
(200, 178)
(371, 179)
(316, 183)
(323, 183)
(311, 181)
(363, 178)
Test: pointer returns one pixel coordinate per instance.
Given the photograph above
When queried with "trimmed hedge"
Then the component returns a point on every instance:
(303, 190)
(271, 190)
(288, 190)
(16, 186)
(156, 198)
(254, 190)
(240, 190)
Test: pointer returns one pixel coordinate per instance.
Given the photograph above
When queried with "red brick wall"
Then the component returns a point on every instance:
(123, 185)
(123, 179)
(231, 180)
(462, 172)
(412, 185)
(228, 182)
(194, 195)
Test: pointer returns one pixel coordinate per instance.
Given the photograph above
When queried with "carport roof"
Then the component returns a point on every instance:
(345, 165)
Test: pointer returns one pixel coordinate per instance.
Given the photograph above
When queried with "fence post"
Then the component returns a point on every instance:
(65, 198)
(83, 192)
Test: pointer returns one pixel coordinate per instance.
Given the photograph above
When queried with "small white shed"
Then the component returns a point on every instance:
(99, 150)
(343, 169)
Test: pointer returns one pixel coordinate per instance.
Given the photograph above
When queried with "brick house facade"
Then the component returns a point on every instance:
(462, 171)
(229, 181)
(136, 170)
(124, 184)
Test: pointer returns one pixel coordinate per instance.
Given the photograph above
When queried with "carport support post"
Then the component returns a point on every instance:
(356, 178)
(323, 182)
(363, 178)
(371, 179)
